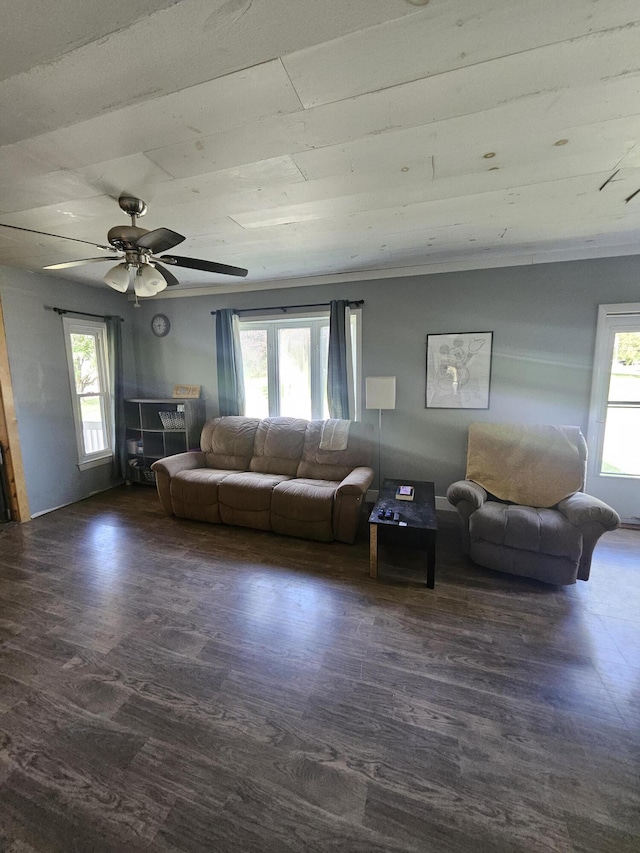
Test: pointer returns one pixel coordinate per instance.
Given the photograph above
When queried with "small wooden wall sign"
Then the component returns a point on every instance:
(186, 391)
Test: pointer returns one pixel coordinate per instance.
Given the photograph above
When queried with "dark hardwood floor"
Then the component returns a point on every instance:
(173, 686)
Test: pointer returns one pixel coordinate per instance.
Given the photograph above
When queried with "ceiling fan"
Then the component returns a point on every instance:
(138, 258)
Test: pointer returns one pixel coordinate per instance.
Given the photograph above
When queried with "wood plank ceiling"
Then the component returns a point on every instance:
(316, 140)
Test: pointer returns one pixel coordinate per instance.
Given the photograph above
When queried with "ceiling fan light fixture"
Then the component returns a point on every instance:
(148, 281)
(118, 277)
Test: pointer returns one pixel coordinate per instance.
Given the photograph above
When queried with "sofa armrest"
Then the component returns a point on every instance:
(348, 503)
(168, 467)
(356, 482)
(468, 491)
(171, 465)
(582, 509)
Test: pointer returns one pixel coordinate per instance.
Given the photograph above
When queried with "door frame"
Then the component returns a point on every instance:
(9, 437)
(600, 387)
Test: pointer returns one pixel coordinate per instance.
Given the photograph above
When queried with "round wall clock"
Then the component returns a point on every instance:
(160, 325)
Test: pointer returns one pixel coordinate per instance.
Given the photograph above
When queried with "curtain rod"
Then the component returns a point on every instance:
(62, 311)
(284, 308)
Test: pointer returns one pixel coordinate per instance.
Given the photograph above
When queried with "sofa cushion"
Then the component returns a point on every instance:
(245, 498)
(228, 442)
(304, 508)
(334, 464)
(278, 446)
(526, 528)
(194, 493)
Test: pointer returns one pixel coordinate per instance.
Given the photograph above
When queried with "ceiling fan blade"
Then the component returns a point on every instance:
(207, 266)
(60, 236)
(68, 264)
(159, 240)
(169, 277)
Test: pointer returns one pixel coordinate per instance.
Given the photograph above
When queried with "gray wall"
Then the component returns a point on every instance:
(40, 382)
(186, 356)
(543, 318)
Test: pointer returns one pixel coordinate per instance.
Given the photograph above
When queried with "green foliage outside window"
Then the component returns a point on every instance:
(628, 348)
(85, 363)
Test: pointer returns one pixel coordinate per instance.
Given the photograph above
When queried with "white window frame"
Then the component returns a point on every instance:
(98, 330)
(611, 319)
(313, 321)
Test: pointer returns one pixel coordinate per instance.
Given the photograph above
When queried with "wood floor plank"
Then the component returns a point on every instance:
(467, 823)
(42, 818)
(589, 836)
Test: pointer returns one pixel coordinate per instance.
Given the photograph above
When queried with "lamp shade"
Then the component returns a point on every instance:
(380, 392)
(148, 281)
(118, 277)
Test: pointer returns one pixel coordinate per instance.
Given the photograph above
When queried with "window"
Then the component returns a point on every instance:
(614, 420)
(620, 452)
(91, 399)
(285, 365)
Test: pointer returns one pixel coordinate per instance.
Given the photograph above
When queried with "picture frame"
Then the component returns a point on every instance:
(458, 370)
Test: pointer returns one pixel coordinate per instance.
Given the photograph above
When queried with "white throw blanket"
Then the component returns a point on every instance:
(335, 434)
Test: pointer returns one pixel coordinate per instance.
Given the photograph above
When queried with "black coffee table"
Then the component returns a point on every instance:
(417, 526)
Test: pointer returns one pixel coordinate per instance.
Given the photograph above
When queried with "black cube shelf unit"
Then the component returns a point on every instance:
(159, 428)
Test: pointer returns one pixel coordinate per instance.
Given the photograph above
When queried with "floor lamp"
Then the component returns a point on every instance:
(380, 393)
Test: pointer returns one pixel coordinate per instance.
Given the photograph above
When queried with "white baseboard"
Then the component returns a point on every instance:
(70, 503)
(441, 502)
(51, 509)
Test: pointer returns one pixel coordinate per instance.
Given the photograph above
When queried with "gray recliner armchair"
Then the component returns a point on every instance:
(552, 535)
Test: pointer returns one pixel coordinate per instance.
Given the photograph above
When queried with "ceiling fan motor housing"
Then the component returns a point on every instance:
(125, 236)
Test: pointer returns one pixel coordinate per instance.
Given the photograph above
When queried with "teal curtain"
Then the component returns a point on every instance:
(119, 429)
(229, 363)
(339, 368)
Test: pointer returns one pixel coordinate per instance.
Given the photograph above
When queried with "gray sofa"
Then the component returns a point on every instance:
(271, 474)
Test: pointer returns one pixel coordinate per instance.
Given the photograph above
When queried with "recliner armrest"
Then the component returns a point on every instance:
(466, 490)
(172, 465)
(356, 482)
(582, 509)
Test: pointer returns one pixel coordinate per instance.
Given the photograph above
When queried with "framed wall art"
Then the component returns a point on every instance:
(458, 370)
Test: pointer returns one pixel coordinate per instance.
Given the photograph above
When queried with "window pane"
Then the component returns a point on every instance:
(625, 368)
(324, 364)
(621, 451)
(254, 363)
(93, 429)
(85, 363)
(295, 372)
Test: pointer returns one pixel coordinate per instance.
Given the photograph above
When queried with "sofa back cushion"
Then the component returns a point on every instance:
(320, 464)
(278, 446)
(228, 442)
